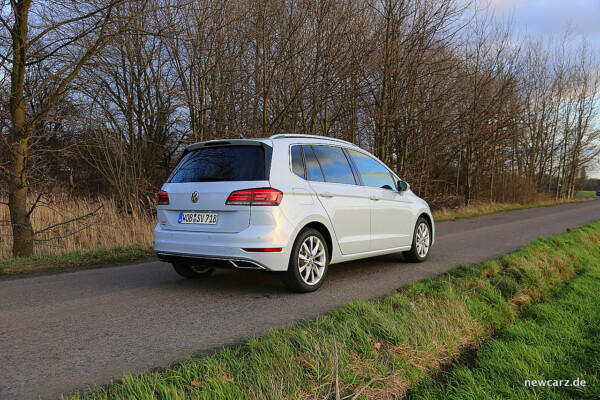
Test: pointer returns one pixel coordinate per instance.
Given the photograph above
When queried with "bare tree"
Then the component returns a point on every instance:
(134, 120)
(65, 35)
(487, 78)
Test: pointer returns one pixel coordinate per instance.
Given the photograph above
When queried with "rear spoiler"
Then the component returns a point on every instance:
(225, 142)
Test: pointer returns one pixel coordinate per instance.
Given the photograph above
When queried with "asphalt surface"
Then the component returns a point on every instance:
(70, 331)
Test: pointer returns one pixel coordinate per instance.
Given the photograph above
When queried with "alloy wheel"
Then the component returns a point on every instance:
(422, 239)
(311, 260)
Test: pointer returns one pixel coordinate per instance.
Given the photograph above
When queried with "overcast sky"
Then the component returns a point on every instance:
(543, 17)
(551, 17)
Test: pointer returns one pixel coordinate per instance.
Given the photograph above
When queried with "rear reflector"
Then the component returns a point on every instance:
(163, 198)
(255, 197)
(269, 250)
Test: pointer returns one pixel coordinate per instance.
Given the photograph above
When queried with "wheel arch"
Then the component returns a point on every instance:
(323, 230)
(427, 217)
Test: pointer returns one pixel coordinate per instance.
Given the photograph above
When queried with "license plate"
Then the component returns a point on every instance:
(201, 218)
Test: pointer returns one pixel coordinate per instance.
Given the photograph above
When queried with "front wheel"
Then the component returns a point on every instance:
(421, 242)
(309, 262)
(191, 271)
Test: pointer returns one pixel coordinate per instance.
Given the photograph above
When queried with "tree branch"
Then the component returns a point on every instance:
(69, 221)
(71, 20)
(101, 42)
(6, 25)
(35, 204)
(40, 241)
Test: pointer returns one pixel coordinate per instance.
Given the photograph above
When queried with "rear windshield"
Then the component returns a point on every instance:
(214, 164)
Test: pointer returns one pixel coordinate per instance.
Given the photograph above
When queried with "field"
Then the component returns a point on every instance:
(383, 348)
(586, 193)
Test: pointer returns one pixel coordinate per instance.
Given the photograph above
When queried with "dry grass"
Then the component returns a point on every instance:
(109, 227)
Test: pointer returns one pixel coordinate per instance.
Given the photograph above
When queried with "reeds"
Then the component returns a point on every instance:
(109, 226)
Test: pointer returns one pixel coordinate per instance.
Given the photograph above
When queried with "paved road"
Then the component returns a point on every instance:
(69, 331)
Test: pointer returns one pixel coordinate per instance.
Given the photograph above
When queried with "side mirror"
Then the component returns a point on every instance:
(402, 186)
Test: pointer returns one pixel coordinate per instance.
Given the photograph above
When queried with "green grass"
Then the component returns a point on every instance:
(493, 208)
(556, 341)
(586, 193)
(384, 346)
(74, 260)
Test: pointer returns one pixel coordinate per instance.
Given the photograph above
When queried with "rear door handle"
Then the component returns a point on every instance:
(374, 198)
(327, 195)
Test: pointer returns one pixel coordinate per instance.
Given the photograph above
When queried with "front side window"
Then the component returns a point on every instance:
(334, 164)
(372, 172)
(214, 164)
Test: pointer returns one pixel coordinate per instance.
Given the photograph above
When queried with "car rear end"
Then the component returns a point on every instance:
(218, 208)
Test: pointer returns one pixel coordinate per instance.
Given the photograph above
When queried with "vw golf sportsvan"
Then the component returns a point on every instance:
(292, 204)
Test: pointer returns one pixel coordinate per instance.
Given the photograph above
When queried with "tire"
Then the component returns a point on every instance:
(421, 243)
(309, 262)
(191, 271)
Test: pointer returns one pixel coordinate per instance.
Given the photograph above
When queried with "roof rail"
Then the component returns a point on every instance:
(303, 136)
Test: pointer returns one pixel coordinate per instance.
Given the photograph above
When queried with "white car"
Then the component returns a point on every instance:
(290, 203)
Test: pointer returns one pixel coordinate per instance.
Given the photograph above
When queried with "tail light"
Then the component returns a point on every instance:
(163, 198)
(255, 197)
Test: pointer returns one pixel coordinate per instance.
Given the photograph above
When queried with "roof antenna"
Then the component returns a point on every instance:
(242, 136)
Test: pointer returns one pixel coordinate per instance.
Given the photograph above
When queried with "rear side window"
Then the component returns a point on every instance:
(297, 163)
(229, 163)
(371, 171)
(313, 170)
(335, 165)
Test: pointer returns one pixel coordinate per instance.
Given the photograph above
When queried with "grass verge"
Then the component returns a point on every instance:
(586, 193)
(377, 349)
(555, 342)
(492, 208)
(74, 260)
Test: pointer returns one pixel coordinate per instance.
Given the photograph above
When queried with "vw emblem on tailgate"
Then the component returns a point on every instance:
(195, 197)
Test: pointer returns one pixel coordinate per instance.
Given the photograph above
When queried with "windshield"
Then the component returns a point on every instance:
(228, 163)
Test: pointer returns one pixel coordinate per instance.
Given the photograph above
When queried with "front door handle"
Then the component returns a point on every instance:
(327, 195)
(374, 198)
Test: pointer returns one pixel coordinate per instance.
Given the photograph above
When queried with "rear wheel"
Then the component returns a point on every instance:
(309, 262)
(192, 271)
(421, 242)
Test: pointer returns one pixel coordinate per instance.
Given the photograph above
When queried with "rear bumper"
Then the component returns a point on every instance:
(224, 249)
(212, 261)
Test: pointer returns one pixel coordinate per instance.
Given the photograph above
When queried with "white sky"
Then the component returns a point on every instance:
(552, 17)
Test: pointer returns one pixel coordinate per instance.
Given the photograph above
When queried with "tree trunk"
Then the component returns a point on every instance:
(469, 173)
(17, 198)
(19, 138)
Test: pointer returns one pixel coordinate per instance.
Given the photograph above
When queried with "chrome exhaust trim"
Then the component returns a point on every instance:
(237, 263)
